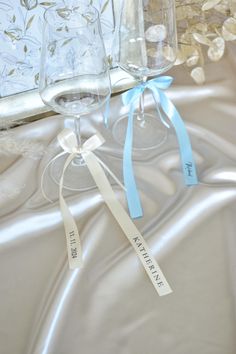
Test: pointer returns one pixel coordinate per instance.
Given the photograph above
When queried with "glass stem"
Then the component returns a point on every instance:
(141, 116)
(77, 130)
(78, 160)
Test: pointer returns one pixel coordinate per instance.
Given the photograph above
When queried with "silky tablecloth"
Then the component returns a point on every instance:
(110, 306)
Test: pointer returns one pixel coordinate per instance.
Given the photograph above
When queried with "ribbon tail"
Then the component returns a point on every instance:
(187, 160)
(74, 250)
(132, 195)
(111, 173)
(130, 230)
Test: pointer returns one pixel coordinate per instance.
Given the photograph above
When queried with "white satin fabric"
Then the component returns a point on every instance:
(110, 306)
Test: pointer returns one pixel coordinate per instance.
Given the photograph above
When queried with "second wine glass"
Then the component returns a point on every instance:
(74, 76)
(147, 44)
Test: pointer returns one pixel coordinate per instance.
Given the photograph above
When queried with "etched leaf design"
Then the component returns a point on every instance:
(47, 3)
(10, 35)
(64, 13)
(36, 79)
(87, 18)
(51, 48)
(109, 60)
(29, 4)
(29, 23)
(11, 72)
(66, 42)
(14, 34)
(105, 6)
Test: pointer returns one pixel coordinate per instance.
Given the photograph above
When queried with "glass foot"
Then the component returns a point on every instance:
(147, 134)
(77, 176)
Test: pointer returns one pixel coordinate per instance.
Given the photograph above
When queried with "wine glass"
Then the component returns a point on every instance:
(74, 76)
(147, 46)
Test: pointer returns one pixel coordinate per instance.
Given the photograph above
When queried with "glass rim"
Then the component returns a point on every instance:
(53, 9)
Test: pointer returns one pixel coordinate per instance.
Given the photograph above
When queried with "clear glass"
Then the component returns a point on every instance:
(147, 48)
(74, 75)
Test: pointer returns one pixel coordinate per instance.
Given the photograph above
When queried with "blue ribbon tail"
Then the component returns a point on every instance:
(133, 200)
(188, 164)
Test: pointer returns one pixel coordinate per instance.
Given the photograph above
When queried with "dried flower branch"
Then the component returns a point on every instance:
(204, 26)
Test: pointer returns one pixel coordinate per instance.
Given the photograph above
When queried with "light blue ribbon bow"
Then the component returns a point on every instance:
(188, 165)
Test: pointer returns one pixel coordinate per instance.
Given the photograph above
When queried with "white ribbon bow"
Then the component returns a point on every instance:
(68, 142)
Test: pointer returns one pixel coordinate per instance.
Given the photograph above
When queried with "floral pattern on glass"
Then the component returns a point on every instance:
(21, 28)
